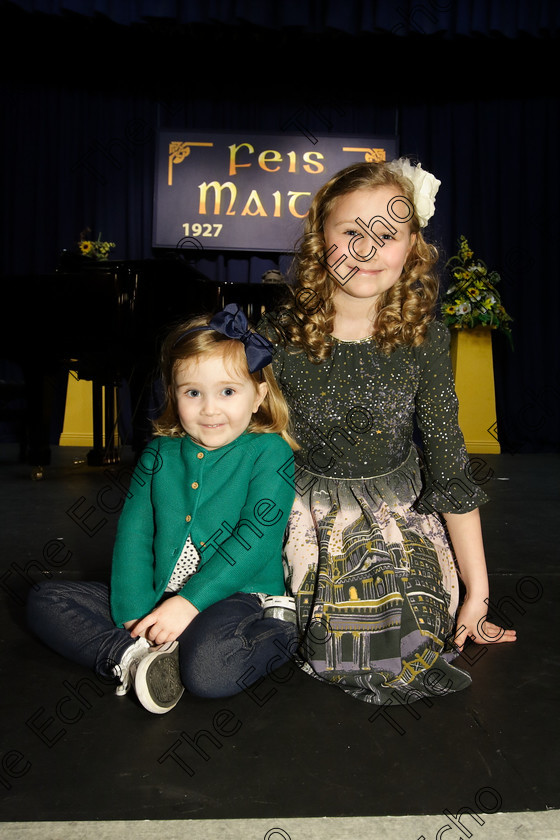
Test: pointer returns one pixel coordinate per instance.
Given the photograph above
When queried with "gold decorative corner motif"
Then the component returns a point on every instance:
(370, 155)
(375, 155)
(178, 151)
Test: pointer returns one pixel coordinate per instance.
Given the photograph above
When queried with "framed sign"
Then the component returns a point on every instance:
(246, 191)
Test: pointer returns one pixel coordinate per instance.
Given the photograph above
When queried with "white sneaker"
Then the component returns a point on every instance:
(126, 668)
(158, 679)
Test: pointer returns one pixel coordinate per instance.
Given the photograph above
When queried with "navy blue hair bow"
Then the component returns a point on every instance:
(232, 322)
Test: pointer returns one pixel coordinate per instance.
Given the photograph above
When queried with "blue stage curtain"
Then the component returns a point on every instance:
(448, 18)
(79, 151)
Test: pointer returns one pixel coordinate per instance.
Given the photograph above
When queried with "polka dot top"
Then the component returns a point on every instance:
(185, 567)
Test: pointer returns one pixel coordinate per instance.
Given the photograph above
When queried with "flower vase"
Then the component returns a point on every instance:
(471, 358)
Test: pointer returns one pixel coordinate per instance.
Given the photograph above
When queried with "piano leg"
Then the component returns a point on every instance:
(44, 389)
(104, 419)
(111, 449)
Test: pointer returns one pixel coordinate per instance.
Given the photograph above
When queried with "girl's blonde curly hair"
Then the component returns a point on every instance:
(403, 312)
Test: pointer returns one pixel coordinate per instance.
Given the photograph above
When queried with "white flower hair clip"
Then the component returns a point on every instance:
(425, 186)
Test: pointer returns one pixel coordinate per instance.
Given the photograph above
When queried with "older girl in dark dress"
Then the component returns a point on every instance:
(379, 529)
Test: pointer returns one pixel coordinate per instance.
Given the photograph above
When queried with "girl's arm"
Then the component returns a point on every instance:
(132, 572)
(450, 484)
(466, 536)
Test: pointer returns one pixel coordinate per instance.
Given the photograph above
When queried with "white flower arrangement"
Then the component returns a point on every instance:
(425, 186)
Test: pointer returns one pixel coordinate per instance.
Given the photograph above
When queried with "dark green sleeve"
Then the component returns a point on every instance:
(452, 482)
(132, 573)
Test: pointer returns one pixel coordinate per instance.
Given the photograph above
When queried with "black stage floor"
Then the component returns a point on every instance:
(71, 750)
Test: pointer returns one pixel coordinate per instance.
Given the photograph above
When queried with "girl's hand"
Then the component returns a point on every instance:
(166, 622)
(472, 623)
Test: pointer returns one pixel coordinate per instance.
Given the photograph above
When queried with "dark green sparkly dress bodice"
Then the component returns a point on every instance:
(354, 415)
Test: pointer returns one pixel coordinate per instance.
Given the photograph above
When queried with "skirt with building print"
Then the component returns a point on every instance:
(376, 587)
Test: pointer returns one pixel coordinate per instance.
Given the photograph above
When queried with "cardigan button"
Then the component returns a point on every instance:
(194, 485)
(200, 455)
(188, 518)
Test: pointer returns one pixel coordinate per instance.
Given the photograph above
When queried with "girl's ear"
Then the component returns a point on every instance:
(262, 391)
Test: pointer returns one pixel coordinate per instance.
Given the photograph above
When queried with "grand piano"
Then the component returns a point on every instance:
(105, 321)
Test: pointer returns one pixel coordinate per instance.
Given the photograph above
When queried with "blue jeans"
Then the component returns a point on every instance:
(226, 648)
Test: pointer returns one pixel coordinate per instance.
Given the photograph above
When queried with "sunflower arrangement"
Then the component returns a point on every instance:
(472, 299)
(94, 249)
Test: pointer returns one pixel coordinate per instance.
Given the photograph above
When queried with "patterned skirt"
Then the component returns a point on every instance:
(375, 585)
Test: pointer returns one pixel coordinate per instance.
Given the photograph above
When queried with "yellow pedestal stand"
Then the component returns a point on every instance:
(471, 357)
(78, 414)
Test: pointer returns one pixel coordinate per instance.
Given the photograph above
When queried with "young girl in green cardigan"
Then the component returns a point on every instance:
(196, 590)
